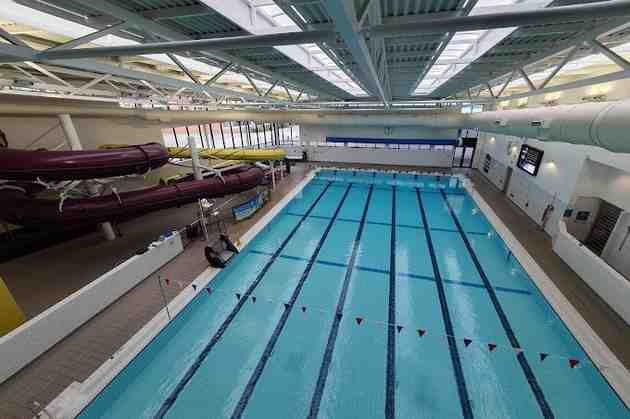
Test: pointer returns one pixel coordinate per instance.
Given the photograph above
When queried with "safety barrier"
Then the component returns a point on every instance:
(21, 346)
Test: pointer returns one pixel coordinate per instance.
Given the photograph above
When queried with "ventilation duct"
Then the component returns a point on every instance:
(603, 124)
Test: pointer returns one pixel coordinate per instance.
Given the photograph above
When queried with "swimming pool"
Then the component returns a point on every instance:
(370, 295)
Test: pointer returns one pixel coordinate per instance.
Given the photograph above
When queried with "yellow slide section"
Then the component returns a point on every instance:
(242, 154)
(230, 153)
(11, 315)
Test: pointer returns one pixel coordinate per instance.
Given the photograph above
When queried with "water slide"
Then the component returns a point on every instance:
(27, 170)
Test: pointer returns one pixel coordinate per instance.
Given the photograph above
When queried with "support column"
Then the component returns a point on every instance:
(194, 154)
(75, 144)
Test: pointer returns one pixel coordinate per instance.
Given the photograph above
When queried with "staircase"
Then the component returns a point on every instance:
(602, 227)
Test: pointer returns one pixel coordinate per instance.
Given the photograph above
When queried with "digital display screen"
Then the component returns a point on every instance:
(529, 159)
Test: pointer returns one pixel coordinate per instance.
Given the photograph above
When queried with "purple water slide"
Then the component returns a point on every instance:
(85, 164)
(20, 208)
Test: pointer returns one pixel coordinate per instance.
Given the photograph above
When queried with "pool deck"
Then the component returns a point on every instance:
(80, 354)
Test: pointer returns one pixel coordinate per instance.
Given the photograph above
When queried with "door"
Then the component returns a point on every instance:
(463, 156)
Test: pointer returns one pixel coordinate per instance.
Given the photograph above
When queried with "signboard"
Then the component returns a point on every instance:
(529, 159)
(248, 208)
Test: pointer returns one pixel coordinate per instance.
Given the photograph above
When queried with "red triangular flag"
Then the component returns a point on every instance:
(303, 309)
(253, 299)
(492, 346)
(209, 291)
(359, 320)
(573, 362)
(194, 287)
(286, 306)
(421, 332)
(339, 315)
(543, 356)
(467, 342)
(168, 281)
(399, 328)
(238, 296)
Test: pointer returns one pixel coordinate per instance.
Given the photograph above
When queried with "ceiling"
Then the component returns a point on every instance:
(353, 65)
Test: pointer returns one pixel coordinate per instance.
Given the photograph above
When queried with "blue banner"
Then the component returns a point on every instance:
(390, 141)
(248, 208)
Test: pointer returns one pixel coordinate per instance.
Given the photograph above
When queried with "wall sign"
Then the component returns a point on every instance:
(529, 159)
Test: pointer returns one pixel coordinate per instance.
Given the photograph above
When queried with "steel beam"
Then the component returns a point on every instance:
(271, 87)
(549, 15)
(183, 68)
(89, 84)
(227, 43)
(90, 37)
(12, 38)
(347, 25)
(559, 67)
(249, 79)
(530, 84)
(445, 41)
(610, 54)
(168, 82)
(177, 11)
(619, 75)
(218, 74)
(156, 28)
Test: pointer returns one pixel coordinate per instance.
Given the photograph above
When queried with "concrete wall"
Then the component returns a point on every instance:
(21, 346)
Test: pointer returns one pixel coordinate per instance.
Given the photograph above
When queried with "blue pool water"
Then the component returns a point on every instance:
(370, 295)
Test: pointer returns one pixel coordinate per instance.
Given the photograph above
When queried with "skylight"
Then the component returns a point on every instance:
(326, 68)
(56, 25)
(318, 61)
(575, 66)
(466, 47)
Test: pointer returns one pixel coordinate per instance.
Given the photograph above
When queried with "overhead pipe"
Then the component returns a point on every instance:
(603, 124)
(428, 118)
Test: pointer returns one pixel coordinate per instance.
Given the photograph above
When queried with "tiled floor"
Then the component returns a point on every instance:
(77, 356)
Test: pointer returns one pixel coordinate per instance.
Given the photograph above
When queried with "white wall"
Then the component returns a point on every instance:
(313, 134)
(603, 279)
(567, 171)
(617, 250)
(427, 158)
(93, 132)
(22, 345)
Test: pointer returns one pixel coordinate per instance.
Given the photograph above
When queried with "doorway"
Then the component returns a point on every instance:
(465, 153)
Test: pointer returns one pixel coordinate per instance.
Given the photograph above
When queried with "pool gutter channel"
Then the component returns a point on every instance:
(507, 327)
(78, 396)
(251, 384)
